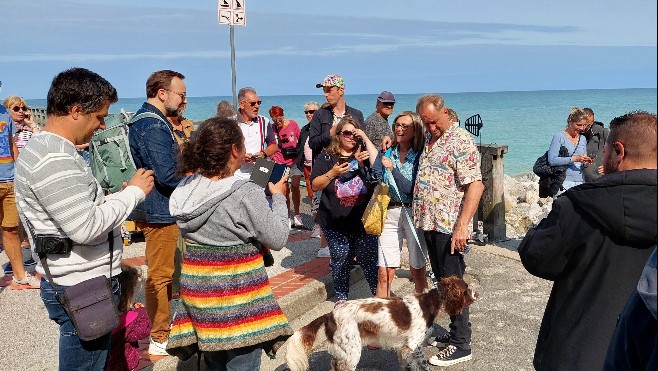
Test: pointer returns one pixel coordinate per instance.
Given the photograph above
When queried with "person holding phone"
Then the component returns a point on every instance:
(22, 117)
(224, 220)
(340, 172)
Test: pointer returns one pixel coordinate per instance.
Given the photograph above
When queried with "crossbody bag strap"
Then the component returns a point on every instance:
(413, 230)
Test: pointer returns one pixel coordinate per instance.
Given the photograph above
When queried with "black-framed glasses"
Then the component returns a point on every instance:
(310, 111)
(21, 108)
(254, 103)
(181, 95)
(401, 126)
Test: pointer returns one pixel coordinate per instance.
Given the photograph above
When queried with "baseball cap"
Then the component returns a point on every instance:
(332, 80)
(386, 97)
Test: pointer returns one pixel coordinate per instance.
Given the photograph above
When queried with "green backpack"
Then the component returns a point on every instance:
(111, 160)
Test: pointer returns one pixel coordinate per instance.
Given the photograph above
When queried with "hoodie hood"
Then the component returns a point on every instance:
(196, 197)
(618, 203)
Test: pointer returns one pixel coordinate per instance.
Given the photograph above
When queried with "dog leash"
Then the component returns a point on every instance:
(413, 230)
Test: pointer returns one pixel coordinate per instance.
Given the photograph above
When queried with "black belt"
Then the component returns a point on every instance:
(396, 204)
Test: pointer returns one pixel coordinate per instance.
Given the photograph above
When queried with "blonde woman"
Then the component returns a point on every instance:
(574, 141)
(22, 117)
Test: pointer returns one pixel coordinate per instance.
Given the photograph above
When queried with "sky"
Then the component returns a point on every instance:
(286, 47)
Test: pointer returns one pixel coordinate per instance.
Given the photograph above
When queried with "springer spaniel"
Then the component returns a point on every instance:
(396, 323)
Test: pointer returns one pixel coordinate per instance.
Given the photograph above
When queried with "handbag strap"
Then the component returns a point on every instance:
(413, 230)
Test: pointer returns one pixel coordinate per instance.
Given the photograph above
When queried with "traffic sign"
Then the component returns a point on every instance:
(231, 12)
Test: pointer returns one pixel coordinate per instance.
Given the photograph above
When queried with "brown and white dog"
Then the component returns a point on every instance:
(396, 323)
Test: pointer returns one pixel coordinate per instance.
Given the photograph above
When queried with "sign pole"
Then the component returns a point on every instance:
(233, 78)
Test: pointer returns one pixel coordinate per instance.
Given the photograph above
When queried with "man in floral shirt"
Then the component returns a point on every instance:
(446, 196)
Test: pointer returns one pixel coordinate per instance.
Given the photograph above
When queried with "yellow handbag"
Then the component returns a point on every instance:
(375, 214)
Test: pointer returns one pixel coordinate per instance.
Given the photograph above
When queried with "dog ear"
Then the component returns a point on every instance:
(456, 291)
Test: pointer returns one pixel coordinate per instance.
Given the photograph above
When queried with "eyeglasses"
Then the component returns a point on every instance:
(310, 112)
(388, 104)
(253, 104)
(277, 119)
(181, 95)
(401, 126)
(22, 108)
(347, 134)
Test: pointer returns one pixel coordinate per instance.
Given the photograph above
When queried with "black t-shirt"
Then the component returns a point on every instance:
(345, 198)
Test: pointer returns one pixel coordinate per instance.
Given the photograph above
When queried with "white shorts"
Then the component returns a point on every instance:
(396, 228)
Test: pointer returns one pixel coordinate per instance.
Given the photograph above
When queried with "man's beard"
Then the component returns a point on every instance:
(172, 111)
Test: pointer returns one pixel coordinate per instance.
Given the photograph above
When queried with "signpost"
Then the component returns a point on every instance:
(232, 12)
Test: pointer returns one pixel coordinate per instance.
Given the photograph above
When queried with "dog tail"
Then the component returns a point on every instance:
(301, 343)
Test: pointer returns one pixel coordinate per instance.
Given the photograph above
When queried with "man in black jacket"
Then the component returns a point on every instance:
(596, 135)
(593, 245)
(325, 119)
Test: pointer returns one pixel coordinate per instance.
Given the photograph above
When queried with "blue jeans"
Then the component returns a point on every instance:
(76, 354)
(240, 359)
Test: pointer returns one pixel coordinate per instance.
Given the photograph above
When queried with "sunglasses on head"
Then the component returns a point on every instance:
(22, 108)
(310, 112)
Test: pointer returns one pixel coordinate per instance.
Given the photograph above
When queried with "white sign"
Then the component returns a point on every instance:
(231, 12)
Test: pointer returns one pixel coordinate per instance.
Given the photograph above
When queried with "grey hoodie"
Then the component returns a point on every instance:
(228, 212)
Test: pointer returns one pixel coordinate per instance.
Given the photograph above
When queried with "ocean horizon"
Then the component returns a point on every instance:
(525, 121)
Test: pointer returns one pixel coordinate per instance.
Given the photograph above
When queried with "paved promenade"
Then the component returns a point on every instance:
(505, 320)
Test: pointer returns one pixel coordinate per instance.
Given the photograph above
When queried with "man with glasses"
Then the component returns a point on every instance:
(376, 125)
(259, 138)
(325, 119)
(446, 196)
(153, 146)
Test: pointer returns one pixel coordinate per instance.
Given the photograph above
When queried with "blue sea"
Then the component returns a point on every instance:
(524, 121)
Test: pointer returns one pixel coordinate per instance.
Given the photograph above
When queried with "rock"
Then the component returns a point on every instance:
(523, 207)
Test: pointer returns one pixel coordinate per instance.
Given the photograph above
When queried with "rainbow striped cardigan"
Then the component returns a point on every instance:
(226, 302)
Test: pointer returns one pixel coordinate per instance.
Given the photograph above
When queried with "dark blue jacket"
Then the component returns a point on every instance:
(153, 147)
(321, 123)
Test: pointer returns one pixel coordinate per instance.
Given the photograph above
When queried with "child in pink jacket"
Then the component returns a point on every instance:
(134, 324)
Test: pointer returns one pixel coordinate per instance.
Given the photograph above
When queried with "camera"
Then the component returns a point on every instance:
(52, 245)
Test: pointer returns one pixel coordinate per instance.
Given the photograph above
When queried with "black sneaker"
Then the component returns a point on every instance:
(29, 262)
(440, 341)
(450, 356)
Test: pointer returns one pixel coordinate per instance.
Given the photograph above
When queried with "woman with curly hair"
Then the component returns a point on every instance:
(227, 310)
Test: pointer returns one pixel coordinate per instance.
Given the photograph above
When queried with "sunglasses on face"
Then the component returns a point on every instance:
(22, 108)
(348, 134)
(253, 104)
(310, 112)
(388, 104)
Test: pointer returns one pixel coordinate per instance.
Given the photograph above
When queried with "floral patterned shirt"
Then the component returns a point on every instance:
(444, 170)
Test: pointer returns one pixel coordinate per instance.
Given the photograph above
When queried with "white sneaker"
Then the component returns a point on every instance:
(316, 231)
(297, 221)
(157, 349)
(324, 253)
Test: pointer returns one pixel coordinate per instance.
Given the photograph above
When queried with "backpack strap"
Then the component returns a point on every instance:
(148, 114)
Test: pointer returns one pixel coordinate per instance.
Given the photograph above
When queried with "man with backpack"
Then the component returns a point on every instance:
(259, 137)
(153, 146)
